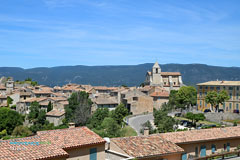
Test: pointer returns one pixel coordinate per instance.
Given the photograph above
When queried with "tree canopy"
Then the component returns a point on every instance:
(119, 113)
(195, 117)
(79, 108)
(163, 122)
(215, 98)
(9, 119)
(187, 96)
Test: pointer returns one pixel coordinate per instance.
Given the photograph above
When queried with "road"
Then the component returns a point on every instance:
(137, 121)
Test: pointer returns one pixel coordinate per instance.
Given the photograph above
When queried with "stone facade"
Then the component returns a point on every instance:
(232, 88)
(168, 80)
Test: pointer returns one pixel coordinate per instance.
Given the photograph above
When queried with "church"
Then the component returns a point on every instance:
(168, 80)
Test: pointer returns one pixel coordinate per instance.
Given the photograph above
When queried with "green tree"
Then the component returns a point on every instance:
(172, 98)
(9, 119)
(215, 98)
(79, 108)
(28, 79)
(21, 131)
(37, 116)
(50, 106)
(111, 127)
(34, 111)
(9, 101)
(3, 133)
(163, 122)
(149, 126)
(187, 96)
(195, 117)
(98, 117)
(119, 113)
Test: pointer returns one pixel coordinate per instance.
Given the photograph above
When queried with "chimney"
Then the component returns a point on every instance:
(71, 125)
(107, 145)
(146, 131)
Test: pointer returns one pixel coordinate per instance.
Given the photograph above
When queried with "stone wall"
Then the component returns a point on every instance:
(219, 117)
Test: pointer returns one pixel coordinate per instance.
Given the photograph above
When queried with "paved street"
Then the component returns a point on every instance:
(136, 122)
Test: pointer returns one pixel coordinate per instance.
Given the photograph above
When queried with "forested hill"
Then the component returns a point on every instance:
(130, 75)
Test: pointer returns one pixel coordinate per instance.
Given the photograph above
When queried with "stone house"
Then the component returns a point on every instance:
(137, 102)
(55, 116)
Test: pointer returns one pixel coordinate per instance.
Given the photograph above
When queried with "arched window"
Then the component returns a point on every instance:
(156, 70)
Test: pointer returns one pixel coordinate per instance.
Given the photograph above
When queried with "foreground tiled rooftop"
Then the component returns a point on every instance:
(146, 146)
(26, 151)
(56, 142)
(71, 137)
(201, 135)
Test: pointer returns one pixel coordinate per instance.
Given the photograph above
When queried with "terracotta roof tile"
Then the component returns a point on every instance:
(145, 146)
(221, 83)
(170, 73)
(167, 73)
(57, 142)
(202, 135)
(71, 137)
(160, 94)
(9, 150)
(55, 113)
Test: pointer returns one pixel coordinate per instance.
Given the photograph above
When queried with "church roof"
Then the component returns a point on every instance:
(166, 73)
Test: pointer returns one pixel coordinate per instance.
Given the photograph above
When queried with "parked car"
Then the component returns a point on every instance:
(221, 111)
(207, 110)
(236, 111)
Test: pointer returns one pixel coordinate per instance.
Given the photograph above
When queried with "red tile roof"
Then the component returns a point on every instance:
(202, 135)
(26, 151)
(71, 137)
(57, 142)
(167, 73)
(145, 146)
(170, 73)
(160, 94)
(55, 113)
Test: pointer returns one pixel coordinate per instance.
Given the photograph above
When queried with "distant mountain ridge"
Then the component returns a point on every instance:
(130, 75)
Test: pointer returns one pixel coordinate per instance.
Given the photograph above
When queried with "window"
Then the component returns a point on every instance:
(205, 93)
(156, 70)
(203, 151)
(184, 156)
(228, 147)
(237, 88)
(237, 106)
(213, 148)
(93, 154)
(237, 95)
(218, 88)
(196, 151)
(135, 98)
(174, 83)
(200, 94)
(224, 87)
(200, 103)
(230, 106)
(200, 87)
(230, 95)
(224, 147)
(224, 106)
(212, 88)
(230, 88)
(206, 87)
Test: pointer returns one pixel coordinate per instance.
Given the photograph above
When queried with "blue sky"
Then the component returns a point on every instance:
(46, 33)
